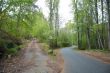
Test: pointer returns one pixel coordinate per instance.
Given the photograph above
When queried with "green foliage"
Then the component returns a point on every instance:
(40, 29)
(20, 20)
(11, 51)
(90, 25)
(65, 38)
(84, 44)
(50, 51)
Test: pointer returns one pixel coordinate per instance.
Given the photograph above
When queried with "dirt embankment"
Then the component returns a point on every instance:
(101, 55)
(55, 60)
(15, 64)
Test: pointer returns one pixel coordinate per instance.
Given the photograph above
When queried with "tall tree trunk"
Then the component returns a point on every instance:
(56, 21)
(18, 19)
(100, 45)
(88, 38)
(103, 26)
(51, 22)
(78, 34)
(51, 14)
(96, 11)
(108, 10)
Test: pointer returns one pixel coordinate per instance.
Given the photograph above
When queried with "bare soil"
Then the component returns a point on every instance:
(102, 56)
(58, 62)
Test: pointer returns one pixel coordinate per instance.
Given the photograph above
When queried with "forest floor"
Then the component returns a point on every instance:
(32, 59)
(103, 56)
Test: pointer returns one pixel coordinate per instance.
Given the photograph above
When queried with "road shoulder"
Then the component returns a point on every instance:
(100, 55)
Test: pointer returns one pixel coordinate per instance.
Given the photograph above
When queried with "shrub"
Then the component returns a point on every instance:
(11, 51)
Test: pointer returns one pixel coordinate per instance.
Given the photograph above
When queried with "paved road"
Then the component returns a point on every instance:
(78, 63)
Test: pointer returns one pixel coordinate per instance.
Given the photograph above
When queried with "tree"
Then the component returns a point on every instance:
(90, 24)
(19, 20)
(108, 10)
(76, 20)
(54, 21)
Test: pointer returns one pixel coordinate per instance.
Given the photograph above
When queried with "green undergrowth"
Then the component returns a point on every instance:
(99, 50)
(47, 49)
(8, 47)
(95, 50)
(14, 50)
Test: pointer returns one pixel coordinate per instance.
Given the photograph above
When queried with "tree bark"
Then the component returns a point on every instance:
(103, 25)
(100, 45)
(108, 10)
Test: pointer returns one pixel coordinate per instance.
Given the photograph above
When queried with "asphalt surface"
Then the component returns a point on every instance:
(75, 62)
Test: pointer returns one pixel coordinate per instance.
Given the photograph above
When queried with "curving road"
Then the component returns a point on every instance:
(78, 63)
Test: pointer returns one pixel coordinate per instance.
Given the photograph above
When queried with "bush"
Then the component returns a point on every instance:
(50, 51)
(7, 47)
(11, 51)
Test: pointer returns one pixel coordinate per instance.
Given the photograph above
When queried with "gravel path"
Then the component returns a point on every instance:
(37, 59)
(31, 59)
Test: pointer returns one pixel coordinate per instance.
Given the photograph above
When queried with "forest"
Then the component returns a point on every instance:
(22, 19)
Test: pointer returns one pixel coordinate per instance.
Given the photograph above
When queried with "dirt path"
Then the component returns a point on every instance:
(37, 59)
(31, 59)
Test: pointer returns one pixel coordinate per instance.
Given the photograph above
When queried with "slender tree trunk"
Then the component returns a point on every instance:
(88, 26)
(51, 23)
(18, 20)
(96, 13)
(108, 10)
(51, 14)
(56, 21)
(97, 31)
(78, 34)
(88, 38)
(103, 25)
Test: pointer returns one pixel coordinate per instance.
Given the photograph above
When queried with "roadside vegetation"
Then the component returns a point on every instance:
(92, 24)
(22, 19)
